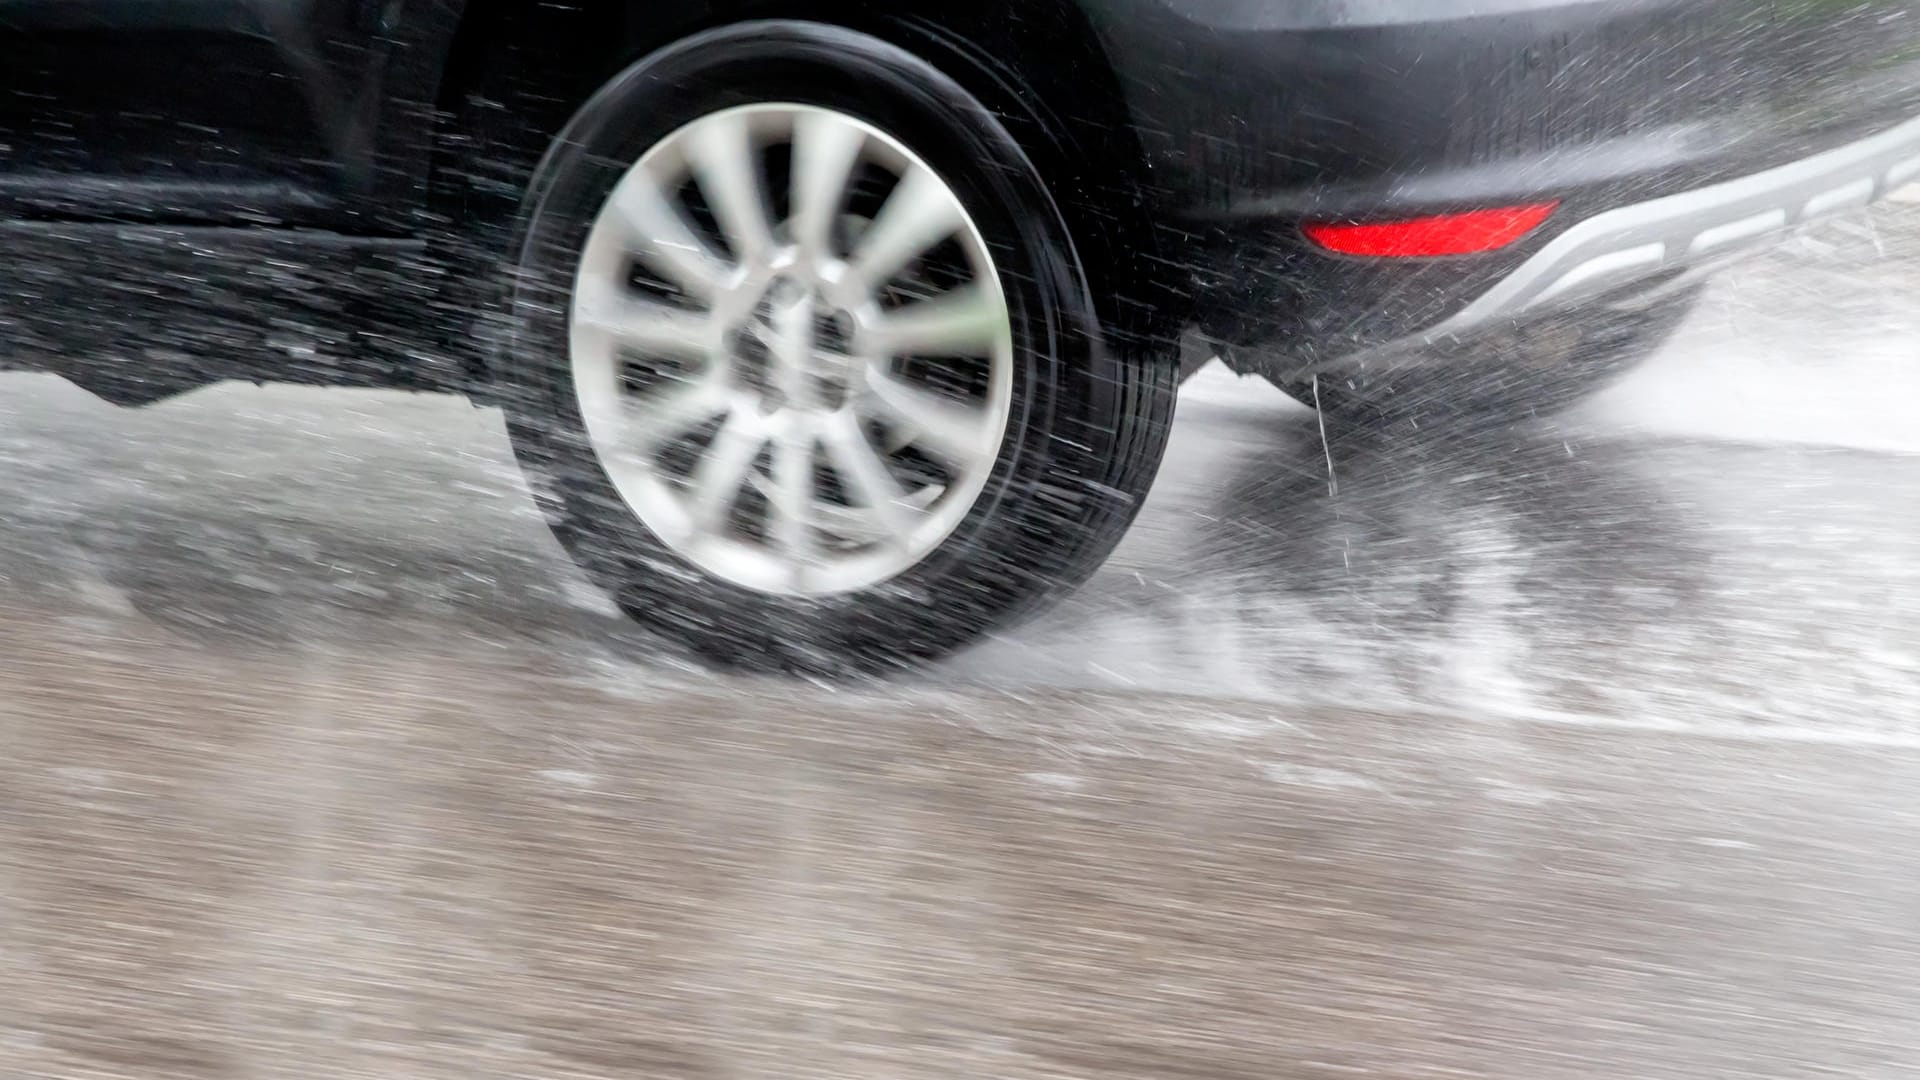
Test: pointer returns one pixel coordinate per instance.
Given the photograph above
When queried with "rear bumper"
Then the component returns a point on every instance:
(1255, 116)
(1338, 310)
(1652, 239)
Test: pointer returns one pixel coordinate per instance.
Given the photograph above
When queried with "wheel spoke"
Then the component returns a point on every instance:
(920, 213)
(792, 502)
(641, 325)
(792, 350)
(947, 429)
(825, 148)
(722, 471)
(662, 237)
(672, 410)
(865, 475)
(724, 161)
(968, 321)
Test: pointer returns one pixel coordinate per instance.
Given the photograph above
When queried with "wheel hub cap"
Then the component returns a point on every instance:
(791, 350)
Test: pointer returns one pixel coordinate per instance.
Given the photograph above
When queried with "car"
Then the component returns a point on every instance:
(832, 336)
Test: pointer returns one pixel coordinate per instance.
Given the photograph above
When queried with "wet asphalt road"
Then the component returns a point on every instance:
(1581, 749)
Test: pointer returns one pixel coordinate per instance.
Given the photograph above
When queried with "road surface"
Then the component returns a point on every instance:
(1585, 749)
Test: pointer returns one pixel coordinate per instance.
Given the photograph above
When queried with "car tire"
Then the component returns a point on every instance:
(880, 481)
(1528, 370)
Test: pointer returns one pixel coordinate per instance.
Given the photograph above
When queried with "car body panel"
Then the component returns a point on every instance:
(259, 112)
(179, 130)
(1254, 117)
(1332, 106)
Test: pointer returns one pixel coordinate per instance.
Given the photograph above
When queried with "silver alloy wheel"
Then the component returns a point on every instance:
(801, 392)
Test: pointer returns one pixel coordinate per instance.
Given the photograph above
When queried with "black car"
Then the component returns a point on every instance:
(835, 334)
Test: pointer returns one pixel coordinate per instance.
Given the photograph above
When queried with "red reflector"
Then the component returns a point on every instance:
(1442, 234)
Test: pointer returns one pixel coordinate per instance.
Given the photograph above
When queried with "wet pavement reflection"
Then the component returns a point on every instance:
(1554, 569)
(1581, 749)
(458, 865)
